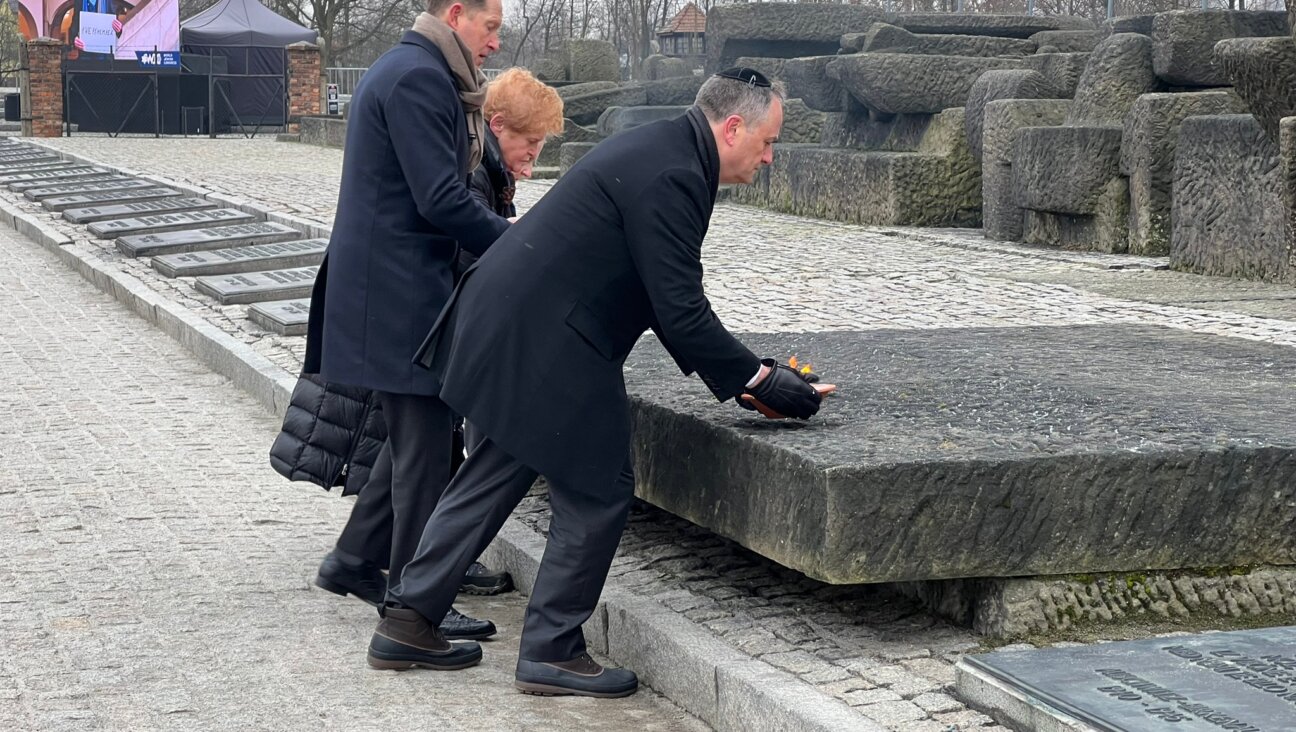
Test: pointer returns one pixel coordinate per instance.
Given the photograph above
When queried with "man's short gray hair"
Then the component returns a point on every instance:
(721, 97)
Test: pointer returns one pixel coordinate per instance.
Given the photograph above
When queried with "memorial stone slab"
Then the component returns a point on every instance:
(40, 190)
(76, 171)
(239, 289)
(107, 198)
(34, 167)
(169, 222)
(197, 240)
(9, 152)
(988, 452)
(256, 258)
(285, 317)
(91, 214)
(12, 161)
(1242, 680)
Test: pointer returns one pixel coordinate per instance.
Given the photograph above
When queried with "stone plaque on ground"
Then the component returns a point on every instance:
(106, 198)
(237, 289)
(168, 222)
(197, 240)
(39, 166)
(1242, 680)
(72, 173)
(91, 214)
(29, 159)
(256, 258)
(40, 190)
(285, 317)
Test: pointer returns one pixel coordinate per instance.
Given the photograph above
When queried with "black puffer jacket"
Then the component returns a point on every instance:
(331, 435)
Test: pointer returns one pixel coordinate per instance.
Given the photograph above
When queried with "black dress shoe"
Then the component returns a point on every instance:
(458, 626)
(479, 580)
(405, 640)
(346, 575)
(581, 676)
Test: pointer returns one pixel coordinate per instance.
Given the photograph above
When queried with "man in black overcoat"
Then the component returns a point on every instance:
(414, 134)
(530, 350)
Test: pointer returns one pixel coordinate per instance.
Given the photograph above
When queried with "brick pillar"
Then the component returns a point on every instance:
(305, 82)
(41, 84)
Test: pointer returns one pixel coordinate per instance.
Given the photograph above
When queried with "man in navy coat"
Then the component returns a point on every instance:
(530, 350)
(404, 208)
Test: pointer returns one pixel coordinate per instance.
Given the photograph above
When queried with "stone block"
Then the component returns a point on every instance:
(806, 79)
(895, 83)
(672, 92)
(310, 131)
(572, 132)
(1063, 70)
(1228, 214)
(1147, 158)
(1118, 72)
(1184, 41)
(887, 38)
(1065, 169)
(1001, 216)
(592, 60)
(1263, 72)
(987, 24)
(780, 30)
(1141, 24)
(1009, 608)
(570, 152)
(617, 119)
(800, 123)
(657, 67)
(938, 185)
(1000, 84)
(1287, 178)
(585, 109)
(1107, 230)
(1067, 41)
(859, 130)
(567, 91)
(919, 470)
(552, 68)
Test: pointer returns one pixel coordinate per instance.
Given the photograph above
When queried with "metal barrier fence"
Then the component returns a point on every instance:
(347, 77)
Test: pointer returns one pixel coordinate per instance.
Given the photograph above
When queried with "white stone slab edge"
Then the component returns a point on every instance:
(1010, 706)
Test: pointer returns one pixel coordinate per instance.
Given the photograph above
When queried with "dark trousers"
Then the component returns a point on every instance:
(584, 531)
(368, 532)
(407, 480)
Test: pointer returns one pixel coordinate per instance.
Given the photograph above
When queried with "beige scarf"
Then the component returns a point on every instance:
(471, 81)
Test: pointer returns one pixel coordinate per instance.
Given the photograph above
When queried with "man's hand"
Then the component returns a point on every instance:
(783, 391)
(117, 26)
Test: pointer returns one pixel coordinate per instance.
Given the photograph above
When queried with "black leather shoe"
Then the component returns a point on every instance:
(458, 626)
(581, 676)
(346, 575)
(405, 640)
(479, 580)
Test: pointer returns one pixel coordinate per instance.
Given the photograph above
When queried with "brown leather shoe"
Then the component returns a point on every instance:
(581, 676)
(404, 640)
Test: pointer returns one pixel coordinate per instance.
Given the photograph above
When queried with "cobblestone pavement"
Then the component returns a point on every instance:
(156, 570)
(871, 647)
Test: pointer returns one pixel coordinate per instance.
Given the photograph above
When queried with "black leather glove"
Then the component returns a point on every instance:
(784, 391)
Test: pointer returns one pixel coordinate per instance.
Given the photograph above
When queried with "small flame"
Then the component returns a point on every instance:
(796, 366)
